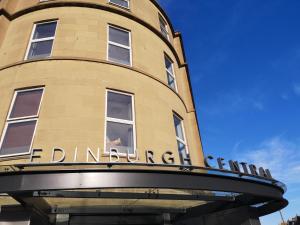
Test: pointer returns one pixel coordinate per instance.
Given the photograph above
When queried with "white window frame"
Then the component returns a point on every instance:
(171, 74)
(119, 45)
(165, 27)
(115, 120)
(113, 3)
(184, 142)
(40, 39)
(21, 120)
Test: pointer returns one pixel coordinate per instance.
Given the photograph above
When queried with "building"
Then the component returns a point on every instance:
(98, 123)
(294, 221)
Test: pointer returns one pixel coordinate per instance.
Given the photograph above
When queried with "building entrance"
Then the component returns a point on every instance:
(117, 220)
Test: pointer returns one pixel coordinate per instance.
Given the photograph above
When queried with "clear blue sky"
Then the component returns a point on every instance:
(244, 58)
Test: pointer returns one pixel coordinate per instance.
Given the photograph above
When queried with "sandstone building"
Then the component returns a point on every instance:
(98, 121)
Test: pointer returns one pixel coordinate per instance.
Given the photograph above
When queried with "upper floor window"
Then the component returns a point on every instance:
(163, 27)
(181, 141)
(119, 45)
(120, 123)
(170, 73)
(122, 3)
(41, 41)
(18, 133)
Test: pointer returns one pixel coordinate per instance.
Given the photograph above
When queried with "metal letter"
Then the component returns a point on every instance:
(206, 161)
(75, 154)
(149, 156)
(186, 160)
(89, 152)
(234, 166)
(253, 170)
(245, 168)
(62, 158)
(114, 153)
(268, 174)
(170, 159)
(265, 173)
(136, 157)
(221, 163)
(33, 156)
(262, 172)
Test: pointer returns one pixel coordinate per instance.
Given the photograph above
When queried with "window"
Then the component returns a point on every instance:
(41, 42)
(122, 3)
(170, 73)
(21, 122)
(163, 27)
(119, 45)
(120, 123)
(180, 138)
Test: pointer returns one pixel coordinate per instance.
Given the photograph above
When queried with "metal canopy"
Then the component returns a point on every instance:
(93, 179)
(31, 188)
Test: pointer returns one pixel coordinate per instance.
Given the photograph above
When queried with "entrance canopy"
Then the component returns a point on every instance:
(184, 194)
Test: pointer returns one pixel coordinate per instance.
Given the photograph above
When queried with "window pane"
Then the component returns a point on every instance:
(40, 49)
(119, 136)
(121, 3)
(183, 153)
(171, 82)
(169, 66)
(164, 33)
(178, 128)
(119, 55)
(44, 30)
(163, 27)
(119, 106)
(26, 104)
(119, 36)
(18, 138)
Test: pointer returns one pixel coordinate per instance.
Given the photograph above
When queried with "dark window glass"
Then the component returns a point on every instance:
(40, 49)
(169, 65)
(26, 104)
(170, 73)
(119, 55)
(171, 82)
(178, 128)
(119, 36)
(18, 138)
(119, 106)
(44, 30)
(163, 27)
(122, 3)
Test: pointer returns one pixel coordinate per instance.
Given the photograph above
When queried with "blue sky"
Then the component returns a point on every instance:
(244, 58)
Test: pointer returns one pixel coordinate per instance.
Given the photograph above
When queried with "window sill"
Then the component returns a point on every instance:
(14, 156)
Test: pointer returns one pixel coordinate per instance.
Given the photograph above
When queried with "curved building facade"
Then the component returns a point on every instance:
(98, 119)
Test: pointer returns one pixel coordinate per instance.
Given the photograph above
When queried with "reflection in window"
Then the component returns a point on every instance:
(163, 27)
(170, 73)
(120, 124)
(19, 129)
(40, 45)
(119, 46)
(181, 142)
(122, 3)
